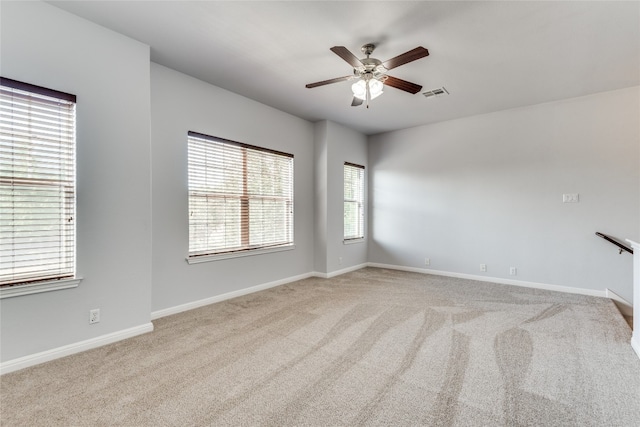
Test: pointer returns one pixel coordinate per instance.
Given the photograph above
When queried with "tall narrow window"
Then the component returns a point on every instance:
(240, 197)
(353, 201)
(37, 183)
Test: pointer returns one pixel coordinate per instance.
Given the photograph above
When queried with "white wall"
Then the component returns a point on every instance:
(109, 73)
(345, 145)
(180, 104)
(321, 146)
(488, 189)
(635, 338)
(334, 145)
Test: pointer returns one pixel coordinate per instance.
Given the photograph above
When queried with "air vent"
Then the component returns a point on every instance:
(436, 92)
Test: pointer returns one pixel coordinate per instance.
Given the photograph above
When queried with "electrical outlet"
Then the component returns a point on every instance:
(513, 271)
(340, 260)
(427, 261)
(94, 315)
(483, 267)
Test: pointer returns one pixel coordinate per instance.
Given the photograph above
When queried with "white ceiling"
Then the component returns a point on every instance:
(489, 55)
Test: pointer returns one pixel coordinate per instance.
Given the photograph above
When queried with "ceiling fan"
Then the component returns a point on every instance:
(371, 73)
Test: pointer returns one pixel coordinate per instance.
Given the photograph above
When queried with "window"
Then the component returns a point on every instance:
(240, 197)
(353, 201)
(37, 184)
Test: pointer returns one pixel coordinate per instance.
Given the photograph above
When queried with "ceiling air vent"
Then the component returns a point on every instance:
(435, 92)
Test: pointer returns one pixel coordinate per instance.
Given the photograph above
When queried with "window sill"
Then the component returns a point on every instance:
(353, 241)
(239, 254)
(36, 288)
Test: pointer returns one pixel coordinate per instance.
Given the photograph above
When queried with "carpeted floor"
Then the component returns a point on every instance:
(372, 347)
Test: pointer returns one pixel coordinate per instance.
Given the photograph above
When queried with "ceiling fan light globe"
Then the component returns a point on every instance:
(375, 88)
(359, 89)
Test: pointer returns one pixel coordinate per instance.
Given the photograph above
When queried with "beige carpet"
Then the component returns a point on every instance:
(372, 347)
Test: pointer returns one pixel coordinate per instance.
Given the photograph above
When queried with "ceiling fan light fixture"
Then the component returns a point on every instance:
(359, 88)
(375, 88)
(371, 73)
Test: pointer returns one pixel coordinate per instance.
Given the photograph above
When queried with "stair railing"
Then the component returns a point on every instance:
(621, 246)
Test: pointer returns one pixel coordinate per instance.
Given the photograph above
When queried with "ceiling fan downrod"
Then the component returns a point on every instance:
(368, 49)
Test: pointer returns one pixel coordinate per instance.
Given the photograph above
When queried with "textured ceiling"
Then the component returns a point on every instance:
(489, 55)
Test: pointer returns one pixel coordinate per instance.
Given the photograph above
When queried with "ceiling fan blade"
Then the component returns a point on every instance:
(402, 84)
(356, 102)
(345, 54)
(412, 55)
(327, 82)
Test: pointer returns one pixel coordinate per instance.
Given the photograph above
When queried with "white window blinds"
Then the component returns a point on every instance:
(37, 183)
(353, 201)
(240, 196)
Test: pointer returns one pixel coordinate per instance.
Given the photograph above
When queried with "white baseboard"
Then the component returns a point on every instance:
(545, 286)
(623, 305)
(339, 272)
(234, 294)
(635, 342)
(45, 356)
(56, 353)
(66, 350)
(223, 297)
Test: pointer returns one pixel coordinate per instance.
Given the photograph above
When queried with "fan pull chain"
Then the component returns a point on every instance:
(368, 94)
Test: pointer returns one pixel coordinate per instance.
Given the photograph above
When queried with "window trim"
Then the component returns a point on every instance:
(244, 249)
(353, 241)
(28, 288)
(238, 144)
(28, 87)
(359, 239)
(238, 254)
(47, 283)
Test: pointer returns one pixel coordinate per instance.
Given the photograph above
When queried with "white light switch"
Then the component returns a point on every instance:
(570, 198)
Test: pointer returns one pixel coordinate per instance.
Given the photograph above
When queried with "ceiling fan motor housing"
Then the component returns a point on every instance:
(371, 68)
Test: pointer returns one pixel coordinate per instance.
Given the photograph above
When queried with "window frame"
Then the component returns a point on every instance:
(360, 203)
(40, 279)
(245, 248)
